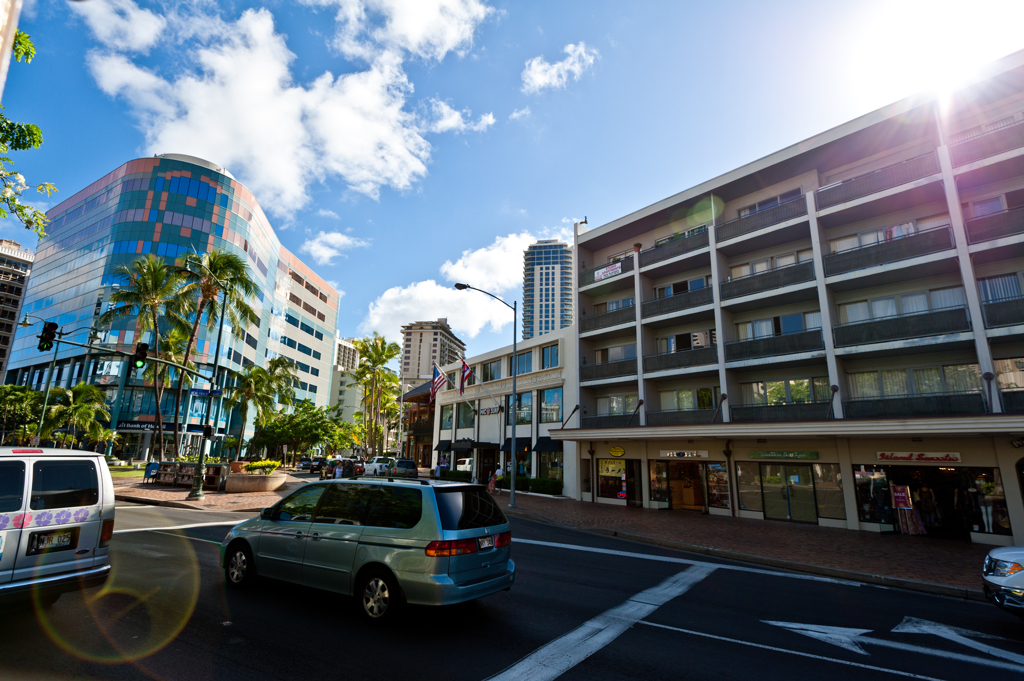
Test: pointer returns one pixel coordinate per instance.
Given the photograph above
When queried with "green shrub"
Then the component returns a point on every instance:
(262, 467)
(546, 486)
(522, 483)
(456, 475)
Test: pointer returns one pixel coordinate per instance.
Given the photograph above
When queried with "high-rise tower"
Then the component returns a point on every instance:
(547, 288)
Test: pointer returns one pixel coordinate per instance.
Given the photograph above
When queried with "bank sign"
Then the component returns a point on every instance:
(919, 457)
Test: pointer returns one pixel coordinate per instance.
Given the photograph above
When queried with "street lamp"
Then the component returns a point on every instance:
(515, 370)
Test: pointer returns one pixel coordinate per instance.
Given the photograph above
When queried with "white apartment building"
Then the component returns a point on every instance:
(346, 393)
(423, 344)
(15, 268)
(547, 288)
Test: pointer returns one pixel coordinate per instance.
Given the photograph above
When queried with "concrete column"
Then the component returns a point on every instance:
(147, 439)
(849, 483)
(638, 293)
(1008, 456)
(723, 320)
(826, 307)
(970, 281)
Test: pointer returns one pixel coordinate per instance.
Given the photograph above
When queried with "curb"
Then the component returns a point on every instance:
(887, 581)
(147, 501)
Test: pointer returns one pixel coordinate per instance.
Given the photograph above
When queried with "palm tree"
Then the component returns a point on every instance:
(99, 435)
(262, 388)
(203, 286)
(18, 402)
(374, 354)
(150, 292)
(76, 408)
(172, 349)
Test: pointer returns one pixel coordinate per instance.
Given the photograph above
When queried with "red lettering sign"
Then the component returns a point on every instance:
(919, 457)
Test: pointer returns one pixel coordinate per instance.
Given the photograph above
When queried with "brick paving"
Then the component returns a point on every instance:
(917, 558)
(133, 489)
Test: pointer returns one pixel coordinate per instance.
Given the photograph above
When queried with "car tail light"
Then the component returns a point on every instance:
(107, 532)
(503, 539)
(456, 547)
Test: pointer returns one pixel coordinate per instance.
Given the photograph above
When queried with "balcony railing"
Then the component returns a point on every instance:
(900, 248)
(587, 277)
(989, 227)
(677, 302)
(767, 281)
(809, 411)
(610, 421)
(624, 315)
(786, 344)
(671, 249)
(594, 372)
(876, 181)
(902, 327)
(421, 426)
(939, 404)
(687, 417)
(1013, 401)
(988, 144)
(1004, 312)
(793, 208)
(682, 359)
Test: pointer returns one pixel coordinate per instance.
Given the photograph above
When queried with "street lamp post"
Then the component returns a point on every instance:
(514, 409)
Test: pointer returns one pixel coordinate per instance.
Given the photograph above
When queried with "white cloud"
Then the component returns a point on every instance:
(519, 113)
(326, 246)
(333, 284)
(443, 118)
(540, 75)
(324, 213)
(121, 24)
(495, 268)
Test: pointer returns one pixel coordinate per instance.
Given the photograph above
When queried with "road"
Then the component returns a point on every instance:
(583, 607)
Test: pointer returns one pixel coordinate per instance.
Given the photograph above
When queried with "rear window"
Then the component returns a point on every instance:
(467, 508)
(396, 507)
(64, 484)
(406, 464)
(12, 485)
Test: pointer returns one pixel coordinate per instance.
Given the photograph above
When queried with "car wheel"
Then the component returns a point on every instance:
(239, 568)
(378, 596)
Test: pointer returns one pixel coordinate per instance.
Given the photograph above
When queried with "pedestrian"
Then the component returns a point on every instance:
(491, 482)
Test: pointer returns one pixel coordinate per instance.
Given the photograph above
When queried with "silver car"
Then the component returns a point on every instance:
(387, 543)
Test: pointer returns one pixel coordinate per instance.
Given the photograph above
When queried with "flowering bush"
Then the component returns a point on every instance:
(262, 467)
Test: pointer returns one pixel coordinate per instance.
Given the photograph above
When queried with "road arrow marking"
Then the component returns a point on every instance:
(965, 637)
(853, 639)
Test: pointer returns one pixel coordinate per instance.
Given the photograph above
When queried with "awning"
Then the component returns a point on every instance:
(443, 446)
(464, 445)
(522, 444)
(546, 444)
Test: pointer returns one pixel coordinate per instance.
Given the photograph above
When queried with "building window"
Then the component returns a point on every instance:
(770, 202)
(446, 416)
(466, 415)
(615, 354)
(788, 391)
(828, 491)
(902, 304)
(748, 486)
(611, 478)
(616, 405)
(524, 414)
(689, 399)
(872, 237)
(551, 406)
(524, 362)
(987, 206)
(1002, 287)
(954, 378)
(550, 465)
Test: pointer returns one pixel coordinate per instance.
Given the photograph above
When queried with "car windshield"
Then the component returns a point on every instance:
(467, 508)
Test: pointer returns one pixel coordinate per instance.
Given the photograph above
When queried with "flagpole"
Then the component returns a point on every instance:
(454, 387)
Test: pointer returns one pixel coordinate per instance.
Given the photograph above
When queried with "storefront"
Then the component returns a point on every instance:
(523, 456)
(681, 480)
(550, 460)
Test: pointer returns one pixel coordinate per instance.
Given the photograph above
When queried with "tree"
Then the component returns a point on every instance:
(20, 404)
(262, 388)
(377, 381)
(150, 292)
(172, 349)
(99, 435)
(75, 408)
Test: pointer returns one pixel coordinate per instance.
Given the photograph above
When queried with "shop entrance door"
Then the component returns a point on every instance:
(788, 491)
(634, 487)
(686, 485)
(487, 464)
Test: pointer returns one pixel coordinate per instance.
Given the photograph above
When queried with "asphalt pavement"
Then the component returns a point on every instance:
(583, 607)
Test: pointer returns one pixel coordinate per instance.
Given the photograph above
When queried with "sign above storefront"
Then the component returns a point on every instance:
(696, 454)
(1019, 442)
(617, 451)
(200, 392)
(135, 425)
(490, 410)
(606, 272)
(783, 455)
(919, 457)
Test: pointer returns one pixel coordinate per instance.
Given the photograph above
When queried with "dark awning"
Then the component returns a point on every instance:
(522, 444)
(546, 444)
(464, 445)
(443, 446)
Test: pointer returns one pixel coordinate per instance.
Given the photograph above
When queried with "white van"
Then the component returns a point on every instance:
(56, 521)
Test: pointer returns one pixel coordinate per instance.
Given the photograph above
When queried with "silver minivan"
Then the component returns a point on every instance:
(386, 542)
(56, 522)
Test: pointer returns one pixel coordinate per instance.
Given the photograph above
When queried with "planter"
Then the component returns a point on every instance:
(243, 482)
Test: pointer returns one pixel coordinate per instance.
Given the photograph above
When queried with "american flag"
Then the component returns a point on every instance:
(466, 373)
(436, 384)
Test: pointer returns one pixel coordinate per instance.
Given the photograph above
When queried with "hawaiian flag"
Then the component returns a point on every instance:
(436, 384)
(466, 373)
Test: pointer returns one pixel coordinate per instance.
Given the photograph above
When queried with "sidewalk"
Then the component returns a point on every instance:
(134, 490)
(920, 563)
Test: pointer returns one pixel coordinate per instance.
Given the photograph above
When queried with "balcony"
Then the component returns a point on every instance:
(688, 417)
(609, 421)
(793, 208)
(677, 302)
(806, 411)
(876, 181)
(606, 271)
(1013, 401)
(596, 372)
(768, 281)
(770, 346)
(901, 248)
(1004, 312)
(988, 144)
(421, 427)
(681, 360)
(904, 406)
(624, 315)
(671, 249)
(902, 327)
(996, 225)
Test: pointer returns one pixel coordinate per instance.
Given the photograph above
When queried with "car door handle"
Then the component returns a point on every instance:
(315, 536)
(298, 534)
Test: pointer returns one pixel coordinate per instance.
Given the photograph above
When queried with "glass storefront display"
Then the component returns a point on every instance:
(585, 465)
(718, 485)
(660, 495)
(788, 492)
(550, 464)
(611, 478)
(680, 484)
(748, 486)
(828, 491)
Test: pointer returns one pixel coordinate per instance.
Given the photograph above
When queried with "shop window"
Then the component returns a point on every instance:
(611, 478)
(465, 416)
(718, 485)
(585, 475)
(550, 465)
(524, 413)
(748, 486)
(659, 485)
(828, 491)
(551, 406)
(446, 416)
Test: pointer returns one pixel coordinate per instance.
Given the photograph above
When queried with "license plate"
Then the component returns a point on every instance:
(52, 541)
(486, 542)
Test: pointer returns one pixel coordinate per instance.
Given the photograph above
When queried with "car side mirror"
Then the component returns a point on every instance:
(267, 513)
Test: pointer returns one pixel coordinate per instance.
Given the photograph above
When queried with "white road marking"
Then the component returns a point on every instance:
(789, 652)
(853, 637)
(565, 652)
(965, 637)
(186, 536)
(177, 527)
(685, 561)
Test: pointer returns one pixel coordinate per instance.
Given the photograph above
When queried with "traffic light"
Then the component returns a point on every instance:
(141, 352)
(208, 432)
(47, 337)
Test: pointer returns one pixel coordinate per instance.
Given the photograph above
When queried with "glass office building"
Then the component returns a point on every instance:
(547, 288)
(168, 206)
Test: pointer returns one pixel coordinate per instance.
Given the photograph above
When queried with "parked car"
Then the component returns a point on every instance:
(378, 465)
(369, 527)
(359, 466)
(317, 464)
(327, 470)
(304, 464)
(56, 522)
(464, 465)
(404, 468)
(1003, 578)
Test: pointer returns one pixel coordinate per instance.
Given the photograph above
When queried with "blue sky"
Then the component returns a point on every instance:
(399, 146)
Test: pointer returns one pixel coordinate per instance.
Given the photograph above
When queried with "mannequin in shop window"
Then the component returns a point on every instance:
(928, 506)
(984, 504)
